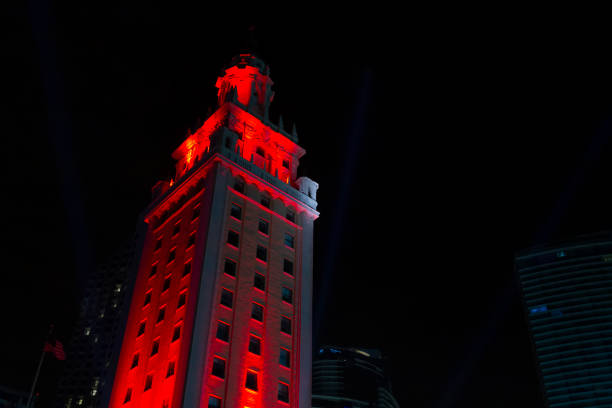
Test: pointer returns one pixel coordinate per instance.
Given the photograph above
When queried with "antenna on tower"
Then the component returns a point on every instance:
(251, 41)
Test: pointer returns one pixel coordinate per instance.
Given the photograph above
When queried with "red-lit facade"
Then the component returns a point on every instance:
(221, 309)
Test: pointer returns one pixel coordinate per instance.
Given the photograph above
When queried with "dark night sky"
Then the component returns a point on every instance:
(442, 145)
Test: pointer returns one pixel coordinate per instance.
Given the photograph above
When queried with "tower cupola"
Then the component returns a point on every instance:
(247, 81)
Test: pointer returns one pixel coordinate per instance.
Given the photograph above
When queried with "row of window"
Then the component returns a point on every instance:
(257, 310)
(177, 229)
(259, 282)
(165, 286)
(182, 300)
(154, 350)
(186, 270)
(233, 238)
(261, 253)
(149, 380)
(251, 383)
(176, 334)
(264, 199)
(263, 227)
(223, 334)
(172, 254)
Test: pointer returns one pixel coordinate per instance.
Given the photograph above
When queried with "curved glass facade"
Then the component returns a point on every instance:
(567, 295)
(348, 377)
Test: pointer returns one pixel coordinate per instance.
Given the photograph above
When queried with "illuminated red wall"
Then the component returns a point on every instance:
(163, 386)
(238, 359)
(173, 225)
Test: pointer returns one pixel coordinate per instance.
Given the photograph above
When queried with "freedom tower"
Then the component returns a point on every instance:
(221, 310)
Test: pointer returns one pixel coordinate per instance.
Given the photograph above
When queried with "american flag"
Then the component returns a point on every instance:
(56, 348)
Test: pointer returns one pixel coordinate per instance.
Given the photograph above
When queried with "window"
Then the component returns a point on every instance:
(155, 347)
(288, 267)
(218, 368)
(232, 238)
(162, 314)
(287, 295)
(153, 270)
(196, 213)
(135, 361)
(236, 211)
(289, 240)
(191, 240)
(147, 299)
(170, 371)
(265, 201)
(176, 334)
(128, 396)
(141, 328)
(158, 244)
(187, 269)
(260, 151)
(166, 284)
(257, 312)
(148, 382)
(172, 255)
(223, 331)
(177, 229)
(227, 298)
(251, 381)
(286, 164)
(260, 281)
(254, 345)
(284, 358)
(230, 267)
(290, 215)
(283, 392)
(285, 325)
(182, 299)
(239, 185)
(262, 253)
(214, 402)
(264, 226)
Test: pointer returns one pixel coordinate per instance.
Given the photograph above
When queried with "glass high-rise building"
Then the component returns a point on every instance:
(345, 377)
(92, 351)
(567, 296)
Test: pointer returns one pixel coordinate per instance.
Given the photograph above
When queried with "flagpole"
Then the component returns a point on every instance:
(42, 357)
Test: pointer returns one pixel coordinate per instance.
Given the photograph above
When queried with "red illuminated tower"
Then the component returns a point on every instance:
(222, 305)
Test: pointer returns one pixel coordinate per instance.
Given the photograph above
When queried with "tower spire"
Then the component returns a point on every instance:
(252, 41)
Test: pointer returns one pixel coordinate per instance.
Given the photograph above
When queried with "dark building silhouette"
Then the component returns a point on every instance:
(11, 398)
(92, 351)
(567, 296)
(350, 377)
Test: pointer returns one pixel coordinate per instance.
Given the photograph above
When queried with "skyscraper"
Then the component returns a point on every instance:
(222, 304)
(567, 295)
(350, 377)
(92, 351)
